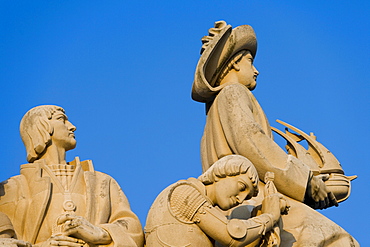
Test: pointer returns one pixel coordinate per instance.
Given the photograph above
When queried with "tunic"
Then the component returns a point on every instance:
(35, 199)
(236, 124)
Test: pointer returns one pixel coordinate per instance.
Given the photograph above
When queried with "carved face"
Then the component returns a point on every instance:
(63, 131)
(232, 191)
(247, 74)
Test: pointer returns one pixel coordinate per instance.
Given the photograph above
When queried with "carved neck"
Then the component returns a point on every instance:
(54, 155)
(230, 77)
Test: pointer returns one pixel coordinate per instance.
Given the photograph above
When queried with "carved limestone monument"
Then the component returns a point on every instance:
(7, 234)
(236, 124)
(57, 203)
(188, 213)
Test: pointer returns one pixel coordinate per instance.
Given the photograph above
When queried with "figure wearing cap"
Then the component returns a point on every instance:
(236, 124)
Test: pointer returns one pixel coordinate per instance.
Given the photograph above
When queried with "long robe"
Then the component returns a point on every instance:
(35, 199)
(236, 124)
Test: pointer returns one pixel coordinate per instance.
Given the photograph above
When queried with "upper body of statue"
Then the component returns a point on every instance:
(57, 203)
(236, 124)
(188, 212)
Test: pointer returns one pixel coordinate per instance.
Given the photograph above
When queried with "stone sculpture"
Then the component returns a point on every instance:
(57, 203)
(7, 234)
(236, 124)
(188, 212)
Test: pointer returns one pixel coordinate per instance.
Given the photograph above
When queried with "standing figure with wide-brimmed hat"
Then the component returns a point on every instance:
(236, 124)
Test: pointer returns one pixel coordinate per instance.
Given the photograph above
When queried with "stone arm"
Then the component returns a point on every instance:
(232, 232)
(123, 227)
(189, 205)
(113, 223)
(245, 137)
(7, 234)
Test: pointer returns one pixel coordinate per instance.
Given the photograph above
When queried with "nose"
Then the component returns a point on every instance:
(242, 196)
(255, 71)
(70, 126)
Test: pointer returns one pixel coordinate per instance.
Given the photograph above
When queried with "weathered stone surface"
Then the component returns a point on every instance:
(57, 203)
(236, 124)
(190, 212)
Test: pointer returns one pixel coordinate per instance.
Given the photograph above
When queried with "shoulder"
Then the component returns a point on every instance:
(13, 189)
(88, 169)
(13, 182)
(234, 96)
(234, 91)
(102, 174)
(101, 179)
(184, 200)
(234, 88)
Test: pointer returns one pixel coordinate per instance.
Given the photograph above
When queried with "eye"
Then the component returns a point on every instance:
(242, 186)
(62, 119)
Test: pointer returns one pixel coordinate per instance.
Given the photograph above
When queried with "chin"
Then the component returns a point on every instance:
(252, 87)
(224, 207)
(71, 146)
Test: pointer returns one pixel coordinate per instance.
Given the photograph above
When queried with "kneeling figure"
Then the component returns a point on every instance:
(190, 212)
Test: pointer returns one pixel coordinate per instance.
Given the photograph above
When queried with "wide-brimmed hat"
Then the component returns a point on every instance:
(218, 48)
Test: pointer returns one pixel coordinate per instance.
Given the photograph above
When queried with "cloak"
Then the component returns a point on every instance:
(236, 124)
(35, 199)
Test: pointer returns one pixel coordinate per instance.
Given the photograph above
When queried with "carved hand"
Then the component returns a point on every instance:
(319, 196)
(79, 227)
(273, 204)
(10, 242)
(62, 240)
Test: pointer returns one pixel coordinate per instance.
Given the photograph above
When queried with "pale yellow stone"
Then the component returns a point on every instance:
(236, 124)
(189, 212)
(57, 203)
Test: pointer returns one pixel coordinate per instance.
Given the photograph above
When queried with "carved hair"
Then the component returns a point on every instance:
(228, 166)
(229, 65)
(36, 130)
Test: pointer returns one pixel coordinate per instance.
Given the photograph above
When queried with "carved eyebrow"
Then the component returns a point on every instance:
(243, 182)
(60, 114)
(250, 57)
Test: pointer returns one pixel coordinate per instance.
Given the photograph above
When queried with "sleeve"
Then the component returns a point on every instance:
(124, 227)
(232, 232)
(246, 137)
(184, 202)
(6, 227)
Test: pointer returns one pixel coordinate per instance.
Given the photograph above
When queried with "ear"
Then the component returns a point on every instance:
(236, 66)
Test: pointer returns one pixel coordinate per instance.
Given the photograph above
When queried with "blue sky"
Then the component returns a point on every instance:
(123, 71)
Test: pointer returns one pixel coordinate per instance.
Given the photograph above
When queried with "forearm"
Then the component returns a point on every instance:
(123, 226)
(233, 232)
(254, 228)
(267, 156)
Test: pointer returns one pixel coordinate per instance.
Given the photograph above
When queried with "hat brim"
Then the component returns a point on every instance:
(216, 55)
